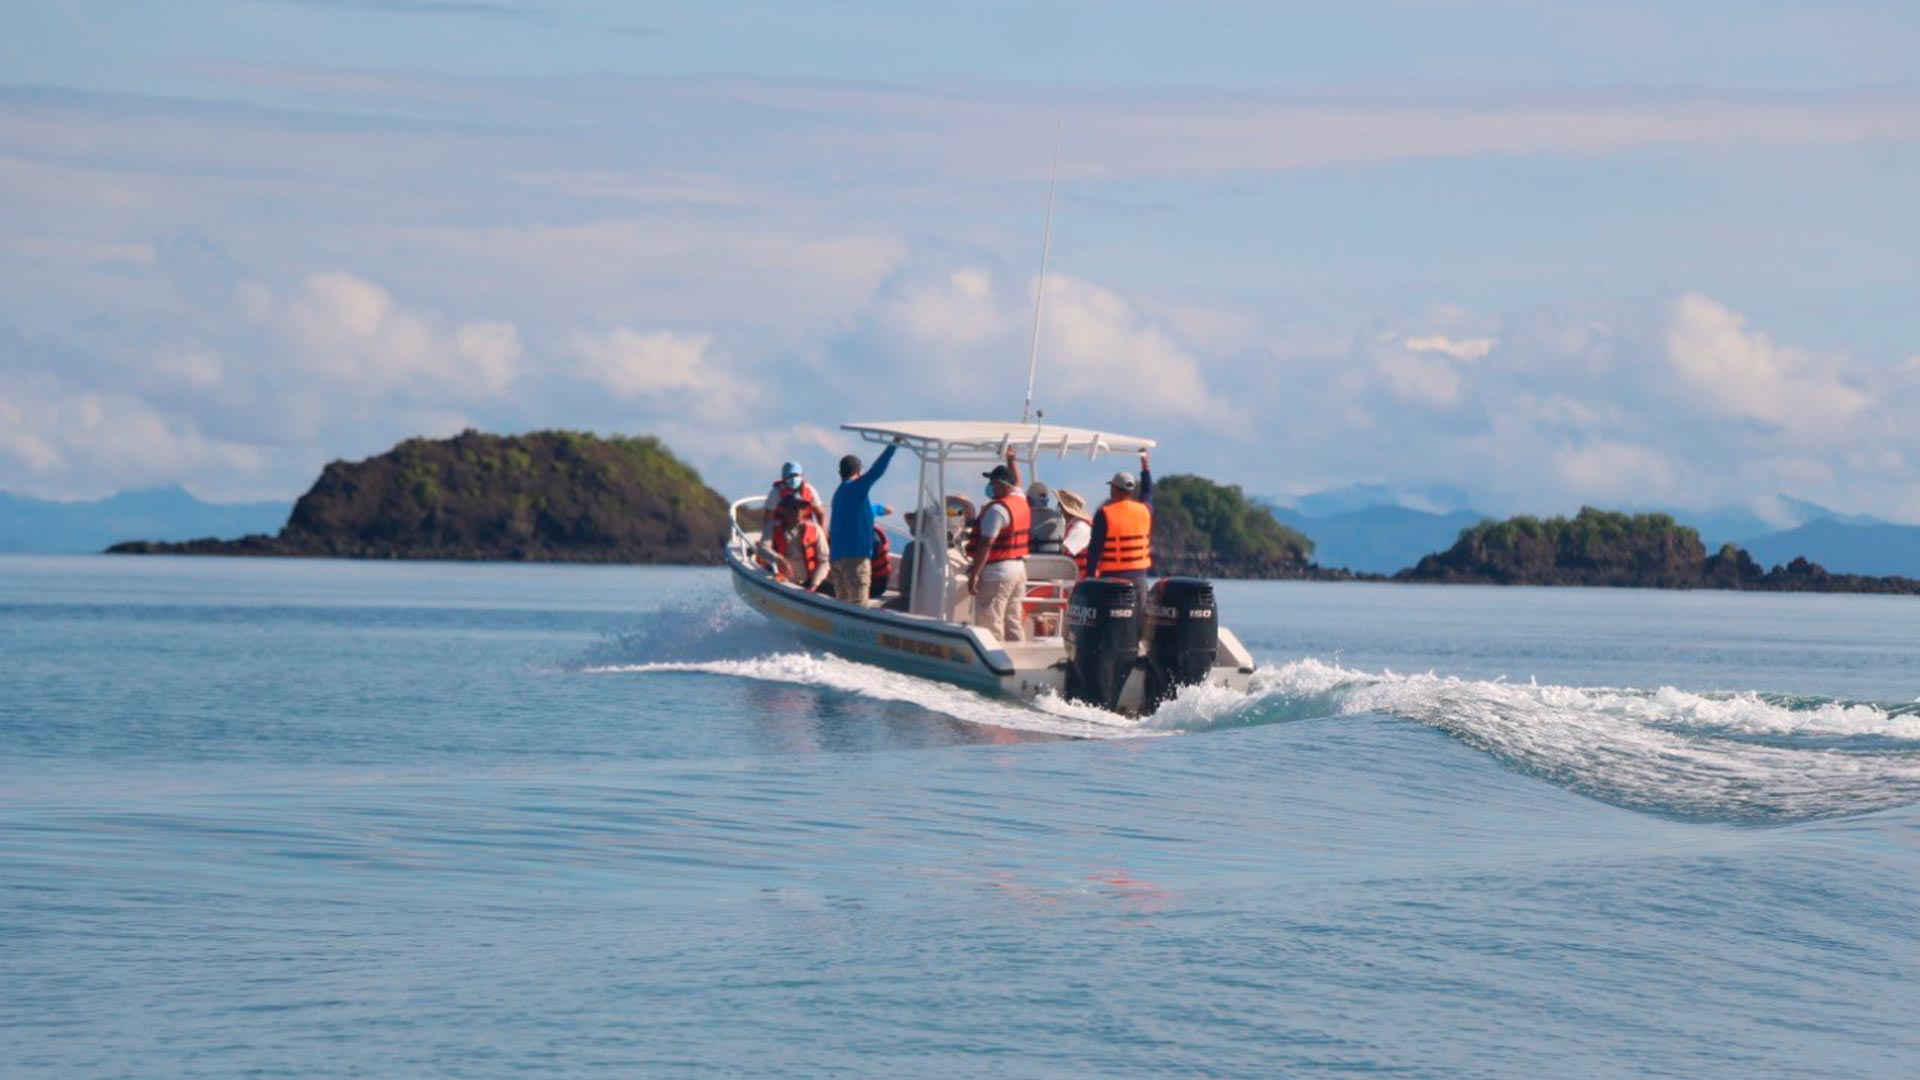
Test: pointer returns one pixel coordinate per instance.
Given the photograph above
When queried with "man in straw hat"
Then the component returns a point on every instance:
(1079, 526)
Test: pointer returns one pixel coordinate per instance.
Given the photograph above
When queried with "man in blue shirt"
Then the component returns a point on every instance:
(850, 536)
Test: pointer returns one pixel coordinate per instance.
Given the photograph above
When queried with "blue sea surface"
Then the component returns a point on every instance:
(290, 818)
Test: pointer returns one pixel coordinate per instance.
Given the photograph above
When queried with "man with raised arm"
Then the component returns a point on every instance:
(850, 533)
(1122, 542)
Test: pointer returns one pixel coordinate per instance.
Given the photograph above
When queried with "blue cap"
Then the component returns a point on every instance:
(790, 470)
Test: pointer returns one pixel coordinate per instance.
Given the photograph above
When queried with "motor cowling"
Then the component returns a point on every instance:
(1102, 633)
(1182, 636)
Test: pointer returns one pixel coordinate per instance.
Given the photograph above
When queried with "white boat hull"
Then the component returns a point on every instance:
(950, 652)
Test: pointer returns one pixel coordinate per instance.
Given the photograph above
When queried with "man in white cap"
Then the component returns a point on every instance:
(1122, 542)
(997, 577)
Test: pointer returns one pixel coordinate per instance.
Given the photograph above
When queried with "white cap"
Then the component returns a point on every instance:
(1123, 480)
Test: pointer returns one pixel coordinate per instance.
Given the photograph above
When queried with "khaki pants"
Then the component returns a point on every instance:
(997, 605)
(851, 578)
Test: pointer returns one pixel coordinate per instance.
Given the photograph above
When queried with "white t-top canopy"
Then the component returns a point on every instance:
(992, 439)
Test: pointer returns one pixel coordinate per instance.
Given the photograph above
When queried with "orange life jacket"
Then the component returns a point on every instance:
(1010, 542)
(882, 553)
(788, 506)
(807, 559)
(1128, 543)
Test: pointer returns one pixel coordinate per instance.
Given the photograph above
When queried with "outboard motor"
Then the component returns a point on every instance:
(1103, 640)
(1182, 636)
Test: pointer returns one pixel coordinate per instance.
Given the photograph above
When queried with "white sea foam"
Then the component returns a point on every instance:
(1665, 749)
(1727, 756)
(1049, 715)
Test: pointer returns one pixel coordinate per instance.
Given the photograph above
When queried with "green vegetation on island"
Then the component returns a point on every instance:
(1213, 530)
(548, 496)
(1607, 548)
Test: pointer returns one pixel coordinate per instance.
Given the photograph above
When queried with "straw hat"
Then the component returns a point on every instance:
(1071, 504)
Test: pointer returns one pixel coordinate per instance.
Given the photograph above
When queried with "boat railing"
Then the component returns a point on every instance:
(1042, 595)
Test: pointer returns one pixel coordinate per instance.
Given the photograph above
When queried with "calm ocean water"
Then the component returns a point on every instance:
(276, 818)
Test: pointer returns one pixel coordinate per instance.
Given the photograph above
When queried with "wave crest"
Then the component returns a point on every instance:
(1736, 757)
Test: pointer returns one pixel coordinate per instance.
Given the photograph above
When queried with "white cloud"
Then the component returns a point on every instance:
(632, 364)
(1744, 373)
(1615, 471)
(953, 338)
(1459, 349)
(1674, 399)
(352, 334)
(959, 310)
(57, 439)
(1418, 378)
(1101, 354)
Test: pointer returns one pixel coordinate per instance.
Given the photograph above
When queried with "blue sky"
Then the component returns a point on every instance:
(1548, 253)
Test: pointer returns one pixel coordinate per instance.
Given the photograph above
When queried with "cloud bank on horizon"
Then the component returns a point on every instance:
(1547, 264)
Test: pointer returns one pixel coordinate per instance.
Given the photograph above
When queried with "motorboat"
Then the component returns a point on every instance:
(1098, 640)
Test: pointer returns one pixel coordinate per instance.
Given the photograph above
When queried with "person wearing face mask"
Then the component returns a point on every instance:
(997, 577)
(1049, 522)
(791, 499)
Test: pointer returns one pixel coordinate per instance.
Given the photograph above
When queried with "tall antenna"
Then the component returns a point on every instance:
(1040, 290)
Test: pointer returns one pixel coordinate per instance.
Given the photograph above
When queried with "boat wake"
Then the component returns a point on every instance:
(1741, 757)
(1727, 757)
(705, 637)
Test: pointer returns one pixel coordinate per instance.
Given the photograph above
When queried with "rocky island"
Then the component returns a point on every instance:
(547, 496)
(1609, 549)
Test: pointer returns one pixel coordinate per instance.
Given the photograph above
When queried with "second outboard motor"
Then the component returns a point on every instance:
(1182, 636)
(1103, 640)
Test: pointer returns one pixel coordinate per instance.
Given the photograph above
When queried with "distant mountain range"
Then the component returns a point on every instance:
(1427, 498)
(1378, 539)
(45, 526)
(1381, 529)
(1880, 548)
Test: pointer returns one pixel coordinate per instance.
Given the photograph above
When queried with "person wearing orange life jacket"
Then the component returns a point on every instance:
(1122, 542)
(882, 562)
(791, 497)
(802, 551)
(998, 575)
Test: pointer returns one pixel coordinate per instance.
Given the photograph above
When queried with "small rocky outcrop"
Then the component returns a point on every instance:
(1609, 549)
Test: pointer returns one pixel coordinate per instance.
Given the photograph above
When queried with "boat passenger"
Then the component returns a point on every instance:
(1079, 527)
(1121, 545)
(802, 552)
(998, 577)
(780, 515)
(1049, 524)
(882, 561)
(903, 572)
(851, 536)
